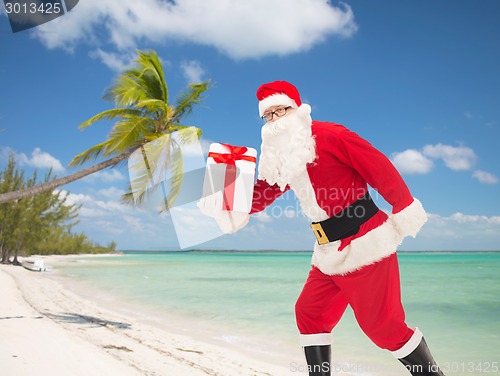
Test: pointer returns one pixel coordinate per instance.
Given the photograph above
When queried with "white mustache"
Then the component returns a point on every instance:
(274, 128)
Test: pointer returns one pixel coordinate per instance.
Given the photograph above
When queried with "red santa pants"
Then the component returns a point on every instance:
(373, 293)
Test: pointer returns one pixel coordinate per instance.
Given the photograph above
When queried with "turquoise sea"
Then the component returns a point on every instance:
(247, 299)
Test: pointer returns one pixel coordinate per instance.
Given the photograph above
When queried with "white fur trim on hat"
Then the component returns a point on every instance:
(275, 100)
(304, 111)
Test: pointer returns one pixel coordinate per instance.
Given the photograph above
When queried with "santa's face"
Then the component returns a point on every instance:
(287, 144)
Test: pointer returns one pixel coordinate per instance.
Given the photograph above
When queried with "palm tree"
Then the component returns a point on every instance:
(143, 115)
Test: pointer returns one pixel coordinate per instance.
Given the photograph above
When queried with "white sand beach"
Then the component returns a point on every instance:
(47, 330)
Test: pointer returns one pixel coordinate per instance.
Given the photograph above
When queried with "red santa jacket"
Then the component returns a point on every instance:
(344, 167)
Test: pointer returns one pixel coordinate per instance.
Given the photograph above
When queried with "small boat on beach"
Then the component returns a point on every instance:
(36, 265)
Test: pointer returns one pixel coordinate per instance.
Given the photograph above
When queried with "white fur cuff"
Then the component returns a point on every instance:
(410, 220)
(409, 346)
(319, 339)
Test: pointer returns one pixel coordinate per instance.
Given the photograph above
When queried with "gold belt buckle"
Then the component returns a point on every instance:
(319, 233)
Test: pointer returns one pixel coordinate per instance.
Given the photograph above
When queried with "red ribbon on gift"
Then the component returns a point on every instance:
(236, 153)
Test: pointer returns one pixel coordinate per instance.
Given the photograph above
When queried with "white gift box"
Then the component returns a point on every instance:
(231, 170)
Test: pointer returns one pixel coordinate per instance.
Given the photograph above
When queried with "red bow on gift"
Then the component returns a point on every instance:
(236, 153)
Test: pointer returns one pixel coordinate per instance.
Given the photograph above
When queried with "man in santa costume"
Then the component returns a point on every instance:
(354, 263)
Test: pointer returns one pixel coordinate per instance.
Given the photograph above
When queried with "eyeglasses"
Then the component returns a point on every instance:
(278, 112)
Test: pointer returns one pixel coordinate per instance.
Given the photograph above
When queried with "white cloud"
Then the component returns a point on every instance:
(112, 206)
(105, 176)
(134, 223)
(485, 177)
(414, 161)
(263, 217)
(91, 207)
(460, 231)
(41, 159)
(239, 29)
(193, 71)
(38, 159)
(111, 192)
(115, 61)
(87, 205)
(455, 158)
(411, 162)
(75, 198)
(464, 218)
(112, 227)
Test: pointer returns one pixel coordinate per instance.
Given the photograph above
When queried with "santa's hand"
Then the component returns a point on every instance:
(211, 205)
(231, 221)
(228, 221)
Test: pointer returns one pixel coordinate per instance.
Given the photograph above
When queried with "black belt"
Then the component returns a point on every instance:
(347, 222)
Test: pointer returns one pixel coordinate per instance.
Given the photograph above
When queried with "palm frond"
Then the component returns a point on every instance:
(126, 134)
(156, 169)
(128, 197)
(187, 134)
(127, 90)
(187, 100)
(153, 74)
(143, 81)
(176, 171)
(140, 175)
(110, 115)
(149, 164)
(93, 153)
(145, 121)
(152, 105)
(158, 154)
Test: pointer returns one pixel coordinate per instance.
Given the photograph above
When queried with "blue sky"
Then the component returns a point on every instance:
(419, 79)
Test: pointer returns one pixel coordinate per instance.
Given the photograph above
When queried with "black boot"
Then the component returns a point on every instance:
(420, 362)
(318, 360)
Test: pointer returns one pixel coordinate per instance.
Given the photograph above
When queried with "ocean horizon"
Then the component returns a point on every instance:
(132, 251)
(246, 299)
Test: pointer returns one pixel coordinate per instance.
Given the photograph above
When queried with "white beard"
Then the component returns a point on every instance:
(287, 147)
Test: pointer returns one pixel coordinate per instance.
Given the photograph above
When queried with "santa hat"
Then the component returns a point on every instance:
(277, 93)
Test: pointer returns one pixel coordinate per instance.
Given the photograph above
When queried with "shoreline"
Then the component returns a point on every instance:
(144, 340)
(50, 329)
(256, 345)
(52, 322)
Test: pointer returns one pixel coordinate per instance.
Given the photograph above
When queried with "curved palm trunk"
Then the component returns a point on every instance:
(16, 195)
